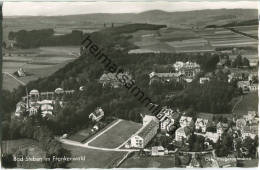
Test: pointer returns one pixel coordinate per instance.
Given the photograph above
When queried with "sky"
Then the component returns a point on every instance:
(71, 8)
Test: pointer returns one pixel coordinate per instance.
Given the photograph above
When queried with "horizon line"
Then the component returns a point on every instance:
(166, 11)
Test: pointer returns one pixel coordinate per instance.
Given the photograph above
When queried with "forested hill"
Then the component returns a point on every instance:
(46, 37)
(200, 18)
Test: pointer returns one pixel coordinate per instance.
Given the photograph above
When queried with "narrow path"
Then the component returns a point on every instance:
(241, 98)
(19, 81)
(242, 33)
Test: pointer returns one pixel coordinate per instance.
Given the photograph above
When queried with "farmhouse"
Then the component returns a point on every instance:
(97, 115)
(146, 133)
(183, 133)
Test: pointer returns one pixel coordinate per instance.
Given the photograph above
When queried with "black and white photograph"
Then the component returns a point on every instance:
(129, 84)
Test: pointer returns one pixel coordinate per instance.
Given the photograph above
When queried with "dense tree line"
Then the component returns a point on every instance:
(212, 97)
(44, 37)
(38, 131)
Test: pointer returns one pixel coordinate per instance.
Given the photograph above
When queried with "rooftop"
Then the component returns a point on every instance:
(146, 130)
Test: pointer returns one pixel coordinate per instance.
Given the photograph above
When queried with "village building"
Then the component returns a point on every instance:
(33, 110)
(59, 91)
(183, 133)
(249, 131)
(194, 163)
(46, 109)
(164, 77)
(158, 151)
(251, 118)
(97, 115)
(221, 128)
(212, 136)
(247, 86)
(201, 125)
(113, 79)
(34, 95)
(20, 109)
(21, 72)
(203, 80)
(240, 123)
(186, 121)
(146, 133)
(188, 69)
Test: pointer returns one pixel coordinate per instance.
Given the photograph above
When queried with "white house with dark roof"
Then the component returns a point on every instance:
(97, 115)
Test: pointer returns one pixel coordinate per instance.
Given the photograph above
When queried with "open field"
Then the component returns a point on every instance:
(85, 134)
(248, 103)
(39, 62)
(94, 158)
(191, 40)
(149, 162)
(9, 83)
(81, 135)
(249, 163)
(117, 135)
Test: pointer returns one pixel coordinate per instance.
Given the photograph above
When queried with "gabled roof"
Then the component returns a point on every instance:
(146, 130)
(98, 112)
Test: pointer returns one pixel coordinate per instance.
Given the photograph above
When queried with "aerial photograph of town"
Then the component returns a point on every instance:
(124, 84)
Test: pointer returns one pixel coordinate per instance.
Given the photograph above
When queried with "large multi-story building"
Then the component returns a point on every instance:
(146, 133)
